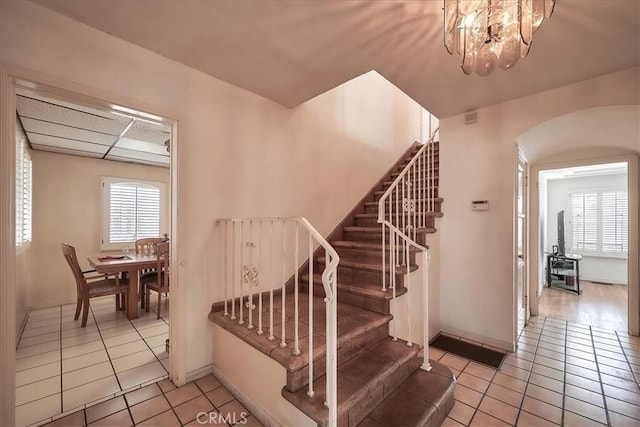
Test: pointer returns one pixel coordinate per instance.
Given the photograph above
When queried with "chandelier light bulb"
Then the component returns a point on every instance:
(492, 33)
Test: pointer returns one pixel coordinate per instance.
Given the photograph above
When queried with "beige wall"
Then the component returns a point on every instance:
(477, 162)
(67, 207)
(238, 154)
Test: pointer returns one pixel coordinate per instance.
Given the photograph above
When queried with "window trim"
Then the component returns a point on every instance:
(105, 184)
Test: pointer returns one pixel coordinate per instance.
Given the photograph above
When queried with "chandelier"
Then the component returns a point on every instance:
(492, 33)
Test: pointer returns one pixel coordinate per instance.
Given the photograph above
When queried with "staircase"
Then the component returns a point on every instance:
(379, 380)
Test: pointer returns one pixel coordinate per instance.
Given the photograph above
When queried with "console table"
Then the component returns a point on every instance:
(563, 272)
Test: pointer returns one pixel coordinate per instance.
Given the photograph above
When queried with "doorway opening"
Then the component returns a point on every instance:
(584, 243)
(99, 178)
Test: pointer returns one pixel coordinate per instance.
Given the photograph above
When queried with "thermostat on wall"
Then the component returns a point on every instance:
(479, 205)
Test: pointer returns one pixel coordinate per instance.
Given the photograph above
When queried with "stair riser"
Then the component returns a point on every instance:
(369, 276)
(371, 304)
(426, 174)
(436, 160)
(437, 207)
(299, 379)
(370, 255)
(373, 222)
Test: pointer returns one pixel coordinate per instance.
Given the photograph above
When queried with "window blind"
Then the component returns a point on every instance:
(614, 221)
(584, 221)
(134, 212)
(24, 188)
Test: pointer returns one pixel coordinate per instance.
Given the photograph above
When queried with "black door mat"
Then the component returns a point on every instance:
(470, 351)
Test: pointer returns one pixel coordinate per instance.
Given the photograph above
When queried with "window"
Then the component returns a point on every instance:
(23, 192)
(133, 210)
(599, 221)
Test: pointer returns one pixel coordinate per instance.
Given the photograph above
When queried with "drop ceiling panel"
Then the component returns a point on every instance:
(138, 155)
(142, 146)
(65, 151)
(67, 144)
(45, 111)
(34, 126)
(143, 133)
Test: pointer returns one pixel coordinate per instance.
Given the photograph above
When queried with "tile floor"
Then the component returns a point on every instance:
(562, 374)
(61, 367)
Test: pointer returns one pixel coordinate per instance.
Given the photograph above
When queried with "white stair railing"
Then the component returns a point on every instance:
(259, 255)
(406, 210)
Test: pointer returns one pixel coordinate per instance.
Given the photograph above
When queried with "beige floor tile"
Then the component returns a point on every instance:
(37, 360)
(583, 382)
(619, 382)
(462, 413)
(126, 349)
(149, 408)
(449, 422)
(87, 359)
(207, 383)
(155, 330)
(182, 394)
(86, 375)
(505, 395)
(38, 373)
(121, 339)
(512, 371)
(166, 385)
(435, 353)
(40, 330)
(37, 390)
(548, 371)
(480, 371)
(140, 375)
(584, 395)
(219, 396)
(251, 421)
(510, 382)
(33, 350)
(480, 419)
(165, 419)
(582, 372)
(105, 409)
(525, 419)
(72, 332)
(575, 420)
(619, 420)
(547, 349)
(121, 418)
(473, 382)
(133, 360)
(79, 350)
(624, 408)
(585, 409)
(545, 395)
(90, 392)
(498, 409)
(615, 372)
(189, 410)
(519, 363)
(454, 361)
(37, 410)
(80, 339)
(142, 394)
(542, 409)
(546, 382)
(622, 394)
(234, 412)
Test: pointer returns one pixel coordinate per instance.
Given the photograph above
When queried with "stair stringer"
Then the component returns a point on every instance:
(255, 378)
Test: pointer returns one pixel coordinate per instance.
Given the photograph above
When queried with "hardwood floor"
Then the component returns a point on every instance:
(600, 305)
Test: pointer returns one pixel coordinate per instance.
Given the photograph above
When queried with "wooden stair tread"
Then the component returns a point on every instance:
(378, 230)
(364, 245)
(434, 199)
(375, 215)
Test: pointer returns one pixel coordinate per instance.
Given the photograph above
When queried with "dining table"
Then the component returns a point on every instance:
(130, 263)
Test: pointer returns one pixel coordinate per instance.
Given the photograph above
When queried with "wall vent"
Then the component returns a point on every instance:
(471, 118)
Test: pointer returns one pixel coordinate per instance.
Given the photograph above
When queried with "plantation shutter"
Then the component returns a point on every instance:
(614, 221)
(24, 188)
(584, 221)
(134, 212)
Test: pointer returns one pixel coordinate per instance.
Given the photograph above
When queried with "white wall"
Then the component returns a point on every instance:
(477, 162)
(67, 208)
(598, 269)
(238, 154)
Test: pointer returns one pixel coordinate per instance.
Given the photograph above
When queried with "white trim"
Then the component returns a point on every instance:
(633, 271)
(10, 77)
(263, 416)
(198, 373)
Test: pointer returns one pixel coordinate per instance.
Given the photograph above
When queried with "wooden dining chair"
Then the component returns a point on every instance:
(146, 247)
(93, 286)
(161, 283)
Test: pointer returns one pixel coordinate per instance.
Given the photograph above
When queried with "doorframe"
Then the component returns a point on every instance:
(521, 159)
(12, 77)
(633, 270)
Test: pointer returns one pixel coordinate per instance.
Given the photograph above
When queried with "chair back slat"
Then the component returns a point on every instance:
(162, 263)
(69, 253)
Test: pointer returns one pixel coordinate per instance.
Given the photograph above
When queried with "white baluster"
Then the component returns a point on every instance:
(426, 260)
(296, 335)
(271, 336)
(226, 269)
(283, 342)
(241, 321)
(260, 331)
(234, 272)
(249, 272)
(310, 392)
(408, 276)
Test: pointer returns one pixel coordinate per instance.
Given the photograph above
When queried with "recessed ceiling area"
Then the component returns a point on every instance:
(62, 127)
(585, 171)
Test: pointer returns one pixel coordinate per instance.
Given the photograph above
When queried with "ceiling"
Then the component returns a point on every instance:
(63, 127)
(292, 51)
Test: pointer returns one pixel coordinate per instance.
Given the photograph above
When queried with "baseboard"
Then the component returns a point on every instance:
(480, 339)
(198, 373)
(265, 418)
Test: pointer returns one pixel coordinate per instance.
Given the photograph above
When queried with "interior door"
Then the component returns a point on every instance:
(521, 246)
